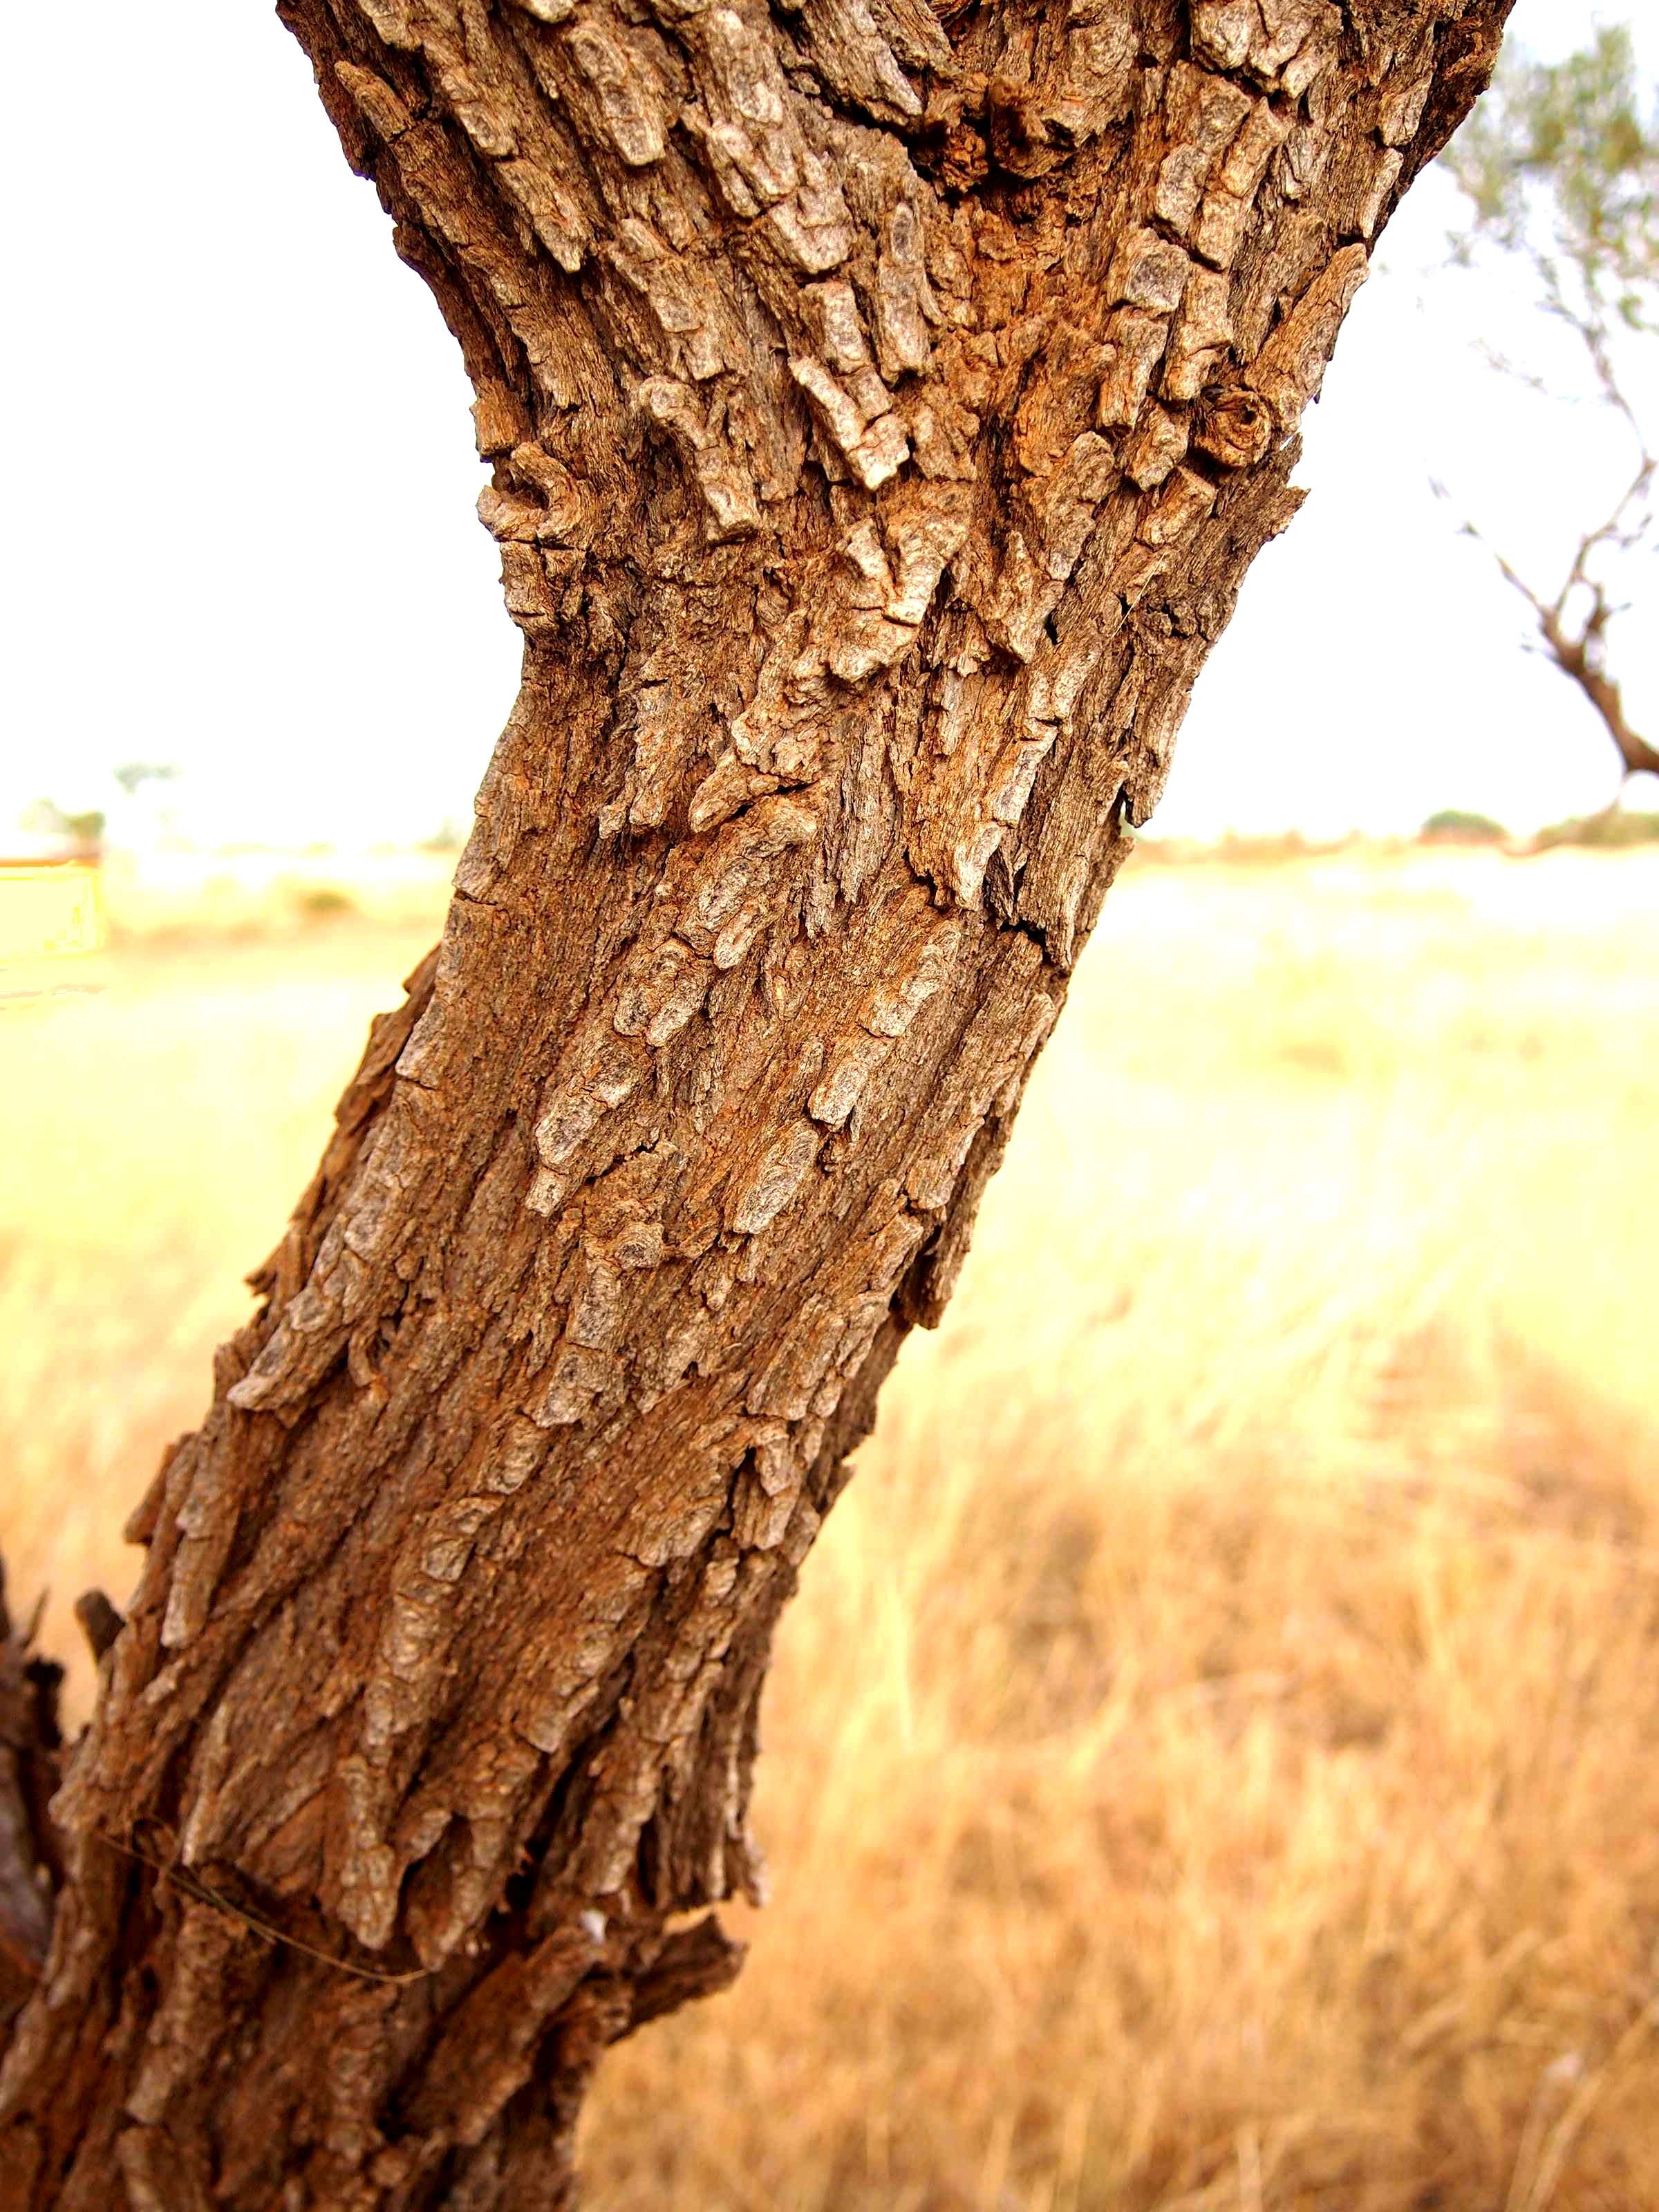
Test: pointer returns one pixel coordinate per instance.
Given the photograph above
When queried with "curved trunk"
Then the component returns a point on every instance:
(882, 420)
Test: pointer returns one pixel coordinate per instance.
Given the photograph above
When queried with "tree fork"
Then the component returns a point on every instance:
(882, 417)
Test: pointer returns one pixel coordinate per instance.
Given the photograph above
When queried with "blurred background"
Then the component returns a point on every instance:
(1212, 1763)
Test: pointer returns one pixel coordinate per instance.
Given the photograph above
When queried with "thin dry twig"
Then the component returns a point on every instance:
(202, 1892)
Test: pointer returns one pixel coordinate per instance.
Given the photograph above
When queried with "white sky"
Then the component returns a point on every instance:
(239, 465)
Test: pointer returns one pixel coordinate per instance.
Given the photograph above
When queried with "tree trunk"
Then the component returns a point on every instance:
(883, 414)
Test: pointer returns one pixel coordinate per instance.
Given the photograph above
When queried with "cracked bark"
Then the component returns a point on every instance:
(882, 409)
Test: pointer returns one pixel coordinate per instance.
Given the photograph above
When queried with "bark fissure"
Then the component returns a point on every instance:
(880, 423)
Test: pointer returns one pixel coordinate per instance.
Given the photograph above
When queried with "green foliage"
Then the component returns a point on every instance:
(1560, 161)
(132, 773)
(1453, 825)
(322, 903)
(1608, 832)
(48, 819)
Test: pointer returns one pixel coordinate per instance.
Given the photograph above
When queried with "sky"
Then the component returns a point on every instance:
(239, 478)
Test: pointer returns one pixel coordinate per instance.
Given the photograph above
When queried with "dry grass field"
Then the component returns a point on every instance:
(1214, 1762)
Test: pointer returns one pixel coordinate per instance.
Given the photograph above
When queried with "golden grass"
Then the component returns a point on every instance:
(1212, 1762)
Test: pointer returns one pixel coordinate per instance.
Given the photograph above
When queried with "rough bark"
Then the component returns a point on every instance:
(882, 412)
(30, 1864)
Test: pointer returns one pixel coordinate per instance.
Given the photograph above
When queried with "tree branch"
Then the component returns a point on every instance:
(1578, 648)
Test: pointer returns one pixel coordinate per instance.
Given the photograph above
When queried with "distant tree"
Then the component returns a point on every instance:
(1560, 164)
(1607, 831)
(1454, 825)
(48, 819)
(135, 774)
